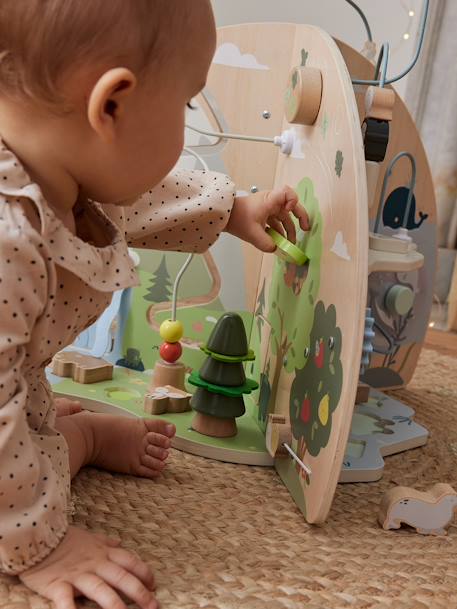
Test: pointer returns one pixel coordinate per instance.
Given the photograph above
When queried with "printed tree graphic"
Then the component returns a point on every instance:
(291, 310)
(316, 389)
(391, 331)
(160, 288)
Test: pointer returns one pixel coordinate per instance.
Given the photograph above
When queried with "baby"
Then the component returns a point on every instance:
(92, 105)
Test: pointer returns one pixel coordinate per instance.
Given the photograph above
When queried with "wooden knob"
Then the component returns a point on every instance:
(279, 432)
(303, 96)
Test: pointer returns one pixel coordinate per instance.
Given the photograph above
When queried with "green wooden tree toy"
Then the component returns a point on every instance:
(221, 381)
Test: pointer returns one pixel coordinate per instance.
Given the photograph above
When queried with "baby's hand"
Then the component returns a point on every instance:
(91, 565)
(65, 406)
(252, 214)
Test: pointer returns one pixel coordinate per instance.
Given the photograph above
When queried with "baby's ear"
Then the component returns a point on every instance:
(107, 100)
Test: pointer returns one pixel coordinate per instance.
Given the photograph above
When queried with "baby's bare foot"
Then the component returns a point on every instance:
(126, 445)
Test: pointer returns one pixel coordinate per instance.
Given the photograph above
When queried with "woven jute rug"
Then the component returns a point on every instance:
(222, 536)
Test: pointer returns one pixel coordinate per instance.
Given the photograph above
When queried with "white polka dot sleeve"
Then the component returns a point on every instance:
(32, 506)
(185, 213)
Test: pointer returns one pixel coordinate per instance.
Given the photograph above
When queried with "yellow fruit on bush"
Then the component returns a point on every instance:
(324, 410)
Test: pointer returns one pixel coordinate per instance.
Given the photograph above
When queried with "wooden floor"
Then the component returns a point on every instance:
(444, 342)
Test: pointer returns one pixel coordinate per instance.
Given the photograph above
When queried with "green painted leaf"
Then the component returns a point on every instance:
(304, 57)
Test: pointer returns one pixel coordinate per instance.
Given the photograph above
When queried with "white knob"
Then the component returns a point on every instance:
(285, 141)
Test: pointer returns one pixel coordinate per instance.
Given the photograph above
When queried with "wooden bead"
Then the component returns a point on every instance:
(303, 96)
(379, 103)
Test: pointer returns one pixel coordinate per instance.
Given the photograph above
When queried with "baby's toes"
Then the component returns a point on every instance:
(161, 427)
(150, 466)
(155, 439)
(156, 452)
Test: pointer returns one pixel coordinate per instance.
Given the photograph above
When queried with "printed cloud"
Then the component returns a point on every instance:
(228, 54)
(340, 248)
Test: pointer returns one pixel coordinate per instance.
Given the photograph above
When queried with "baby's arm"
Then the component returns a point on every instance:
(189, 209)
(185, 212)
(32, 507)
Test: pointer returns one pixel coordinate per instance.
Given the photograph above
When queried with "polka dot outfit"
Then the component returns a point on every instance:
(53, 285)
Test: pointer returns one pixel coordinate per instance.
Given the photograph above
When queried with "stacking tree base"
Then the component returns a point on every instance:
(214, 426)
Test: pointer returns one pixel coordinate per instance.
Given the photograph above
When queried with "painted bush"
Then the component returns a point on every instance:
(316, 389)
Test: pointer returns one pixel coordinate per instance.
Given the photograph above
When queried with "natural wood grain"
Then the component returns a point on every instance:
(443, 342)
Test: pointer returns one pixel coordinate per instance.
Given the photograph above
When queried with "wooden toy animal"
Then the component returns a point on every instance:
(430, 513)
(81, 368)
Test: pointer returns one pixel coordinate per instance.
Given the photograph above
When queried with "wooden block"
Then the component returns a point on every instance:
(383, 243)
(278, 433)
(166, 399)
(430, 513)
(81, 368)
(303, 96)
(379, 103)
(363, 393)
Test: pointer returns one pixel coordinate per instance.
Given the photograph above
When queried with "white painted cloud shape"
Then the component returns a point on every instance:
(228, 54)
(340, 248)
(297, 150)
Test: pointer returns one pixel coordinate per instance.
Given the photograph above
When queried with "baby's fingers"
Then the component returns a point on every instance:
(95, 589)
(130, 586)
(303, 219)
(63, 595)
(289, 226)
(129, 561)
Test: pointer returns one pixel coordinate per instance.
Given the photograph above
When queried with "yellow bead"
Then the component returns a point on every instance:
(171, 331)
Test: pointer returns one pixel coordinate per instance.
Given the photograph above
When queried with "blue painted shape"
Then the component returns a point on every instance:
(394, 210)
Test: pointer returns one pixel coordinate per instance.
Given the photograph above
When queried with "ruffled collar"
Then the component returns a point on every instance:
(106, 268)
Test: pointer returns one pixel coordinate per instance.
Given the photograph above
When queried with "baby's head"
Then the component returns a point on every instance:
(102, 86)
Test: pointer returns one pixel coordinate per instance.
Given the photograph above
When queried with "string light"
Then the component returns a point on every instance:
(411, 14)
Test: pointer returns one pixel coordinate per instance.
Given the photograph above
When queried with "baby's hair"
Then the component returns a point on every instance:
(42, 40)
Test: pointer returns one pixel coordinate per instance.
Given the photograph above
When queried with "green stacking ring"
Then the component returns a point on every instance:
(286, 249)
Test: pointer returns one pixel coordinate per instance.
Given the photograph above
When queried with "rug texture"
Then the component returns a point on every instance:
(222, 536)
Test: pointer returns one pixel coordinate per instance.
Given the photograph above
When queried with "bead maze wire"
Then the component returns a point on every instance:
(356, 7)
(184, 267)
(412, 186)
(389, 81)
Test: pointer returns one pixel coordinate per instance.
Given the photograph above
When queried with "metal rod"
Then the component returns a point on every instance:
(297, 459)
